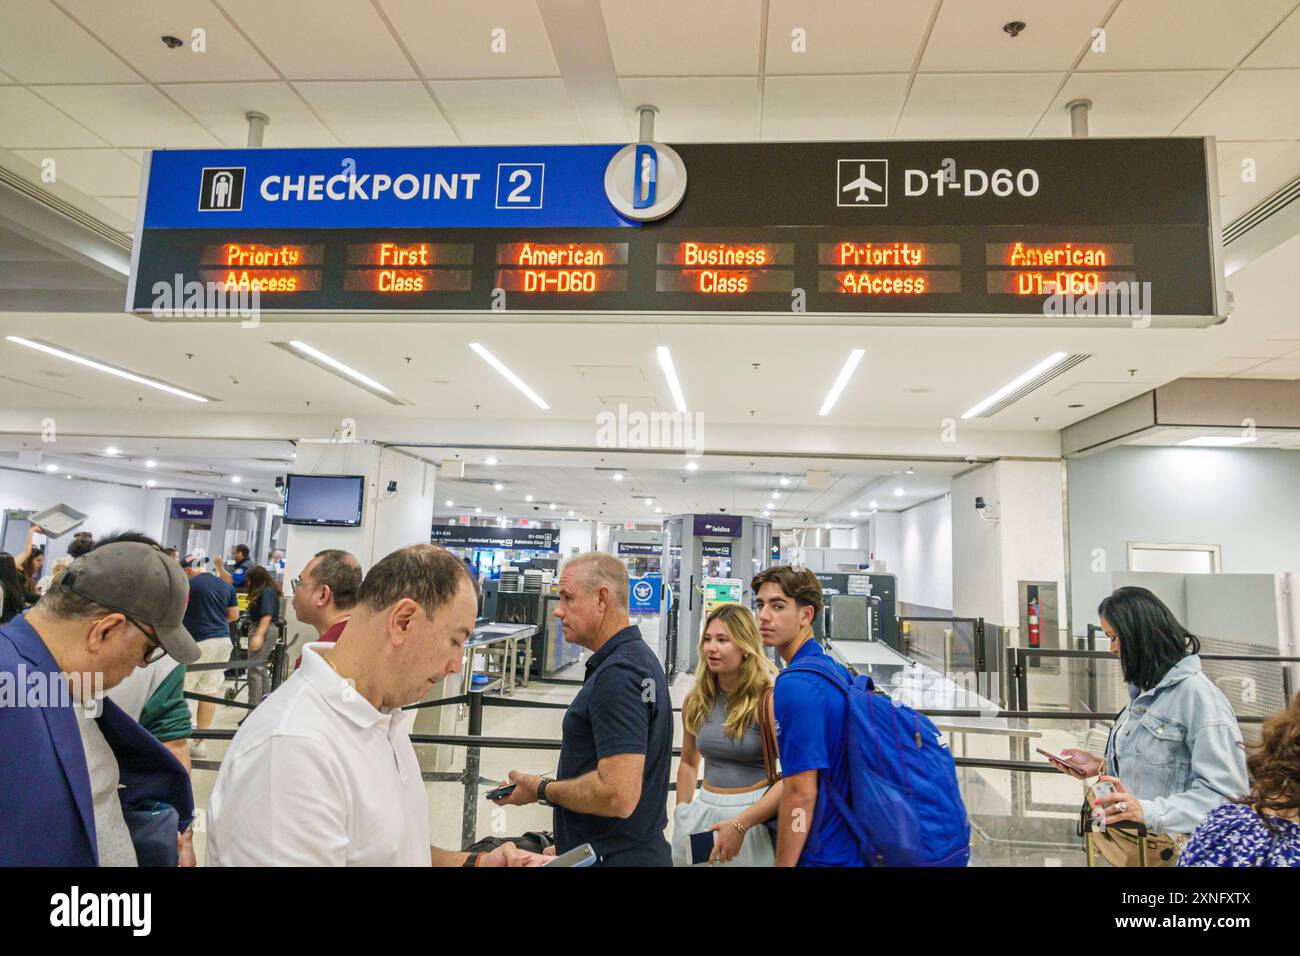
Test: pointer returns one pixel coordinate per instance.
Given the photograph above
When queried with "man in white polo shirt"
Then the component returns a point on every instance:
(323, 773)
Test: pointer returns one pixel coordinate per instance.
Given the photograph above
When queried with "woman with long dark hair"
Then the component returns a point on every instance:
(1263, 829)
(263, 611)
(1175, 752)
(12, 596)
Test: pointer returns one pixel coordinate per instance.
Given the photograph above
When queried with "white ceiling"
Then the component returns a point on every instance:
(90, 84)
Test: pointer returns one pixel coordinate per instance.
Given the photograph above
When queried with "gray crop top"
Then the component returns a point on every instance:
(729, 762)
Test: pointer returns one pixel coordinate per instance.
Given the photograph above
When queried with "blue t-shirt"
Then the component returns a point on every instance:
(810, 736)
(205, 615)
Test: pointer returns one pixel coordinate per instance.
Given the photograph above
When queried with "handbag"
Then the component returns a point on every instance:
(767, 734)
(1126, 844)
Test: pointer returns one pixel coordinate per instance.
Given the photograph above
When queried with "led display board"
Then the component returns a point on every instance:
(981, 232)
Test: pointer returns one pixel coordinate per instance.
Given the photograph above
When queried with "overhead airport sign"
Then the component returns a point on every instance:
(1026, 232)
(520, 539)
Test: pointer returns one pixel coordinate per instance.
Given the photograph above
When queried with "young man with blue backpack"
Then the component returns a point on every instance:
(867, 781)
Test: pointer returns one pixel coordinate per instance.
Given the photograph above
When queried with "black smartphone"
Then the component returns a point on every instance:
(500, 792)
(701, 846)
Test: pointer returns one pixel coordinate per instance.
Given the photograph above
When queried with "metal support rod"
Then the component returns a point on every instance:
(469, 780)
(256, 127)
(647, 115)
(1079, 117)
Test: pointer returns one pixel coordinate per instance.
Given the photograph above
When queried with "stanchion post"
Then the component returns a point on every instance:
(469, 821)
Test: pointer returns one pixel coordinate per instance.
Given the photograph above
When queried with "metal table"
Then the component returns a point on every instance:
(485, 639)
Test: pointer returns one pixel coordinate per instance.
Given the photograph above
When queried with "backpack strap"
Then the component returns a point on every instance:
(767, 734)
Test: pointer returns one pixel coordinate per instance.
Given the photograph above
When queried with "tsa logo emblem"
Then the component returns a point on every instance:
(222, 189)
(643, 591)
(645, 181)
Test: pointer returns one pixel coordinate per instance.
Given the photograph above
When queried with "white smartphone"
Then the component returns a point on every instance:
(579, 856)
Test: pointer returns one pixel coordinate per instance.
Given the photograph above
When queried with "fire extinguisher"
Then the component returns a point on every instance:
(1034, 638)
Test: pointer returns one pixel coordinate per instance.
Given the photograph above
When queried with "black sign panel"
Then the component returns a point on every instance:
(716, 549)
(470, 536)
(945, 231)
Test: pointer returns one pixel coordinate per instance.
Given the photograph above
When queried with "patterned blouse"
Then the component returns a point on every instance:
(1235, 835)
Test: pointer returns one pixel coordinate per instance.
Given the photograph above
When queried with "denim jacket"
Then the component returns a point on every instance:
(1178, 749)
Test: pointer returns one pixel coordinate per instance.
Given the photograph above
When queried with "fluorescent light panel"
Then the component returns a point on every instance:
(508, 375)
(1053, 360)
(1216, 441)
(670, 373)
(330, 364)
(99, 366)
(846, 373)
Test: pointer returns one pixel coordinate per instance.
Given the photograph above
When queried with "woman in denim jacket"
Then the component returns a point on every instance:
(1175, 752)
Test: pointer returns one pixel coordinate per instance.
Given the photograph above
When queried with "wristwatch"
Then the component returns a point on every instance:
(541, 791)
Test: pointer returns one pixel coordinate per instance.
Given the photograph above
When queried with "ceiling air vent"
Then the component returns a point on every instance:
(1033, 384)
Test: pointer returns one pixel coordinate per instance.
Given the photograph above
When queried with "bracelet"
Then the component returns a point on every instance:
(473, 859)
(740, 827)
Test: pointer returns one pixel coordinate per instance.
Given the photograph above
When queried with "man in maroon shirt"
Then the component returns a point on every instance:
(325, 593)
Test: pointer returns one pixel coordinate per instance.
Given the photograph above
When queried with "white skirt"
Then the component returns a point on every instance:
(708, 808)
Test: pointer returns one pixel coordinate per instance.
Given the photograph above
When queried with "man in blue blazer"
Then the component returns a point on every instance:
(64, 748)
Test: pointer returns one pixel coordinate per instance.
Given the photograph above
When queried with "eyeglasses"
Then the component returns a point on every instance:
(156, 651)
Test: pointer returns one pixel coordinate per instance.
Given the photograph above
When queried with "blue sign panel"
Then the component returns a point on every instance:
(643, 594)
(193, 509)
(443, 187)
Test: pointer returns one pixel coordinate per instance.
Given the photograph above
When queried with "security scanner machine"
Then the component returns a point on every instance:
(697, 547)
(866, 605)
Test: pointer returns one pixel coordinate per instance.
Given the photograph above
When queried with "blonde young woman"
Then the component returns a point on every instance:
(720, 722)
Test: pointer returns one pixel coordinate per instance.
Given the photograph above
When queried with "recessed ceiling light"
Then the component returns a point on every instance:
(331, 364)
(873, 506)
(552, 505)
(528, 497)
(649, 502)
(234, 479)
(110, 450)
(785, 480)
(843, 379)
(570, 514)
(151, 463)
(51, 468)
(670, 373)
(659, 511)
(498, 486)
(898, 492)
(1056, 358)
(105, 367)
(853, 514)
(617, 476)
(911, 470)
(450, 503)
(151, 483)
(776, 495)
(489, 460)
(478, 511)
(508, 375)
(692, 466)
(69, 477)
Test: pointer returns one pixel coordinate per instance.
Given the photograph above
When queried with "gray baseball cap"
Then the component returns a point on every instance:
(145, 584)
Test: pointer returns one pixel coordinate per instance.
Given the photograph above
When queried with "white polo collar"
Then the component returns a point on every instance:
(342, 696)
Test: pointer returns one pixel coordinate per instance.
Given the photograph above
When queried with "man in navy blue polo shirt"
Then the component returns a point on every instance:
(611, 786)
(809, 726)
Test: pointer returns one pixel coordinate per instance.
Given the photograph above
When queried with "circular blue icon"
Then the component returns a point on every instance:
(643, 590)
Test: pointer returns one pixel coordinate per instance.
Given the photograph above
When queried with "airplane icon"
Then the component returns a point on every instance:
(862, 184)
(865, 190)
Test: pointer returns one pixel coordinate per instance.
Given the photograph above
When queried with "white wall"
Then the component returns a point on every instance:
(107, 507)
(887, 539)
(575, 534)
(1246, 500)
(925, 569)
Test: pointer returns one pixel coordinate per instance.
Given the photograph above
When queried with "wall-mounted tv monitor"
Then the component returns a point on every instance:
(325, 500)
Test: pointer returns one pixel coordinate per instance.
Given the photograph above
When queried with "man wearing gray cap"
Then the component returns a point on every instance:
(64, 749)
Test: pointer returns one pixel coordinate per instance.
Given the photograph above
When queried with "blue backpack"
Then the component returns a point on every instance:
(904, 808)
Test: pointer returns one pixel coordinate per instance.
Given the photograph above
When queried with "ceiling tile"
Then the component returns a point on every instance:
(1184, 34)
(509, 111)
(1250, 104)
(221, 107)
(1130, 104)
(379, 114)
(124, 207)
(968, 35)
(868, 36)
(96, 172)
(831, 107)
(976, 106)
(697, 109)
(27, 121)
(1274, 368)
(684, 37)
(41, 44)
(322, 39)
(454, 39)
(1272, 165)
(129, 115)
(1281, 48)
(134, 30)
(1226, 367)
